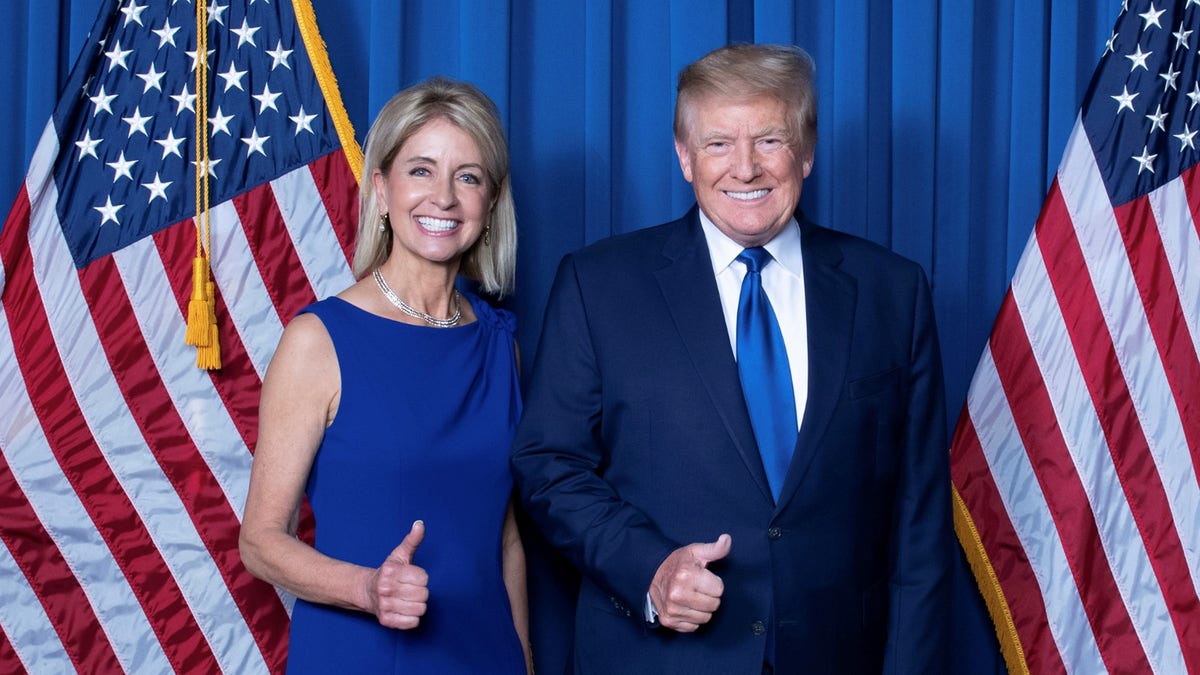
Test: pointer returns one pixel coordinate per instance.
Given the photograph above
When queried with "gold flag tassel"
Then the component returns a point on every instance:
(198, 307)
(202, 313)
(208, 356)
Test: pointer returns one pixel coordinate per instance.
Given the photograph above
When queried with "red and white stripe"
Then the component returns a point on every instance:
(123, 467)
(1076, 456)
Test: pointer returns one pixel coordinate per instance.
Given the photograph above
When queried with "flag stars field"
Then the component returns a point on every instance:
(154, 101)
(1149, 47)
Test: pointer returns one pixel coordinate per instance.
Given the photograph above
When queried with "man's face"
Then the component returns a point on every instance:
(741, 158)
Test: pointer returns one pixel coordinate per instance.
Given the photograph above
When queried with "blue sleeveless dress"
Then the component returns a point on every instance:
(423, 431)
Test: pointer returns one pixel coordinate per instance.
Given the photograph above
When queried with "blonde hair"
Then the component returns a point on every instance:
(493, 265)
(782, 72)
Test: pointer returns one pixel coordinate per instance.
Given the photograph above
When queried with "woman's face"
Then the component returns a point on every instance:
(436, 194)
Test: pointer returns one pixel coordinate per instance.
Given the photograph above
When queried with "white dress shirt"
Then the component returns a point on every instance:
(783, 281)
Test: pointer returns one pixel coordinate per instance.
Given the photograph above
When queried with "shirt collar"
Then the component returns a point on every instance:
(784, 248)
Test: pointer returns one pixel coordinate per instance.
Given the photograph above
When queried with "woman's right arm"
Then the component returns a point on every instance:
(299, 398)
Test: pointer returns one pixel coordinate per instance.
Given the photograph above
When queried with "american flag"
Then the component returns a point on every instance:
(123, 467)
(1075, 462)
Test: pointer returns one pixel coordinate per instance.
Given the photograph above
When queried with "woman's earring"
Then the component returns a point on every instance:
(487, 235)
(384, 222)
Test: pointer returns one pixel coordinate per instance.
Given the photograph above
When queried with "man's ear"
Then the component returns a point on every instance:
(685, 159)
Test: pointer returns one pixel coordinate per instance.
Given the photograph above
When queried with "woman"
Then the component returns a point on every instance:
(392, 406)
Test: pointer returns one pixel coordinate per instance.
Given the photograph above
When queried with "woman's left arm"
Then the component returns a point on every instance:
(514, 581)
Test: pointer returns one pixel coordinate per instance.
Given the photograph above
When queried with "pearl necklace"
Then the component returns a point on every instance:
(403, 307)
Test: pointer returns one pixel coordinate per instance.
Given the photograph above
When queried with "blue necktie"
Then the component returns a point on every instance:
(765, 374)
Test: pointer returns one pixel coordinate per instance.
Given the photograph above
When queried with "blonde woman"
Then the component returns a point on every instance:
(392, 407)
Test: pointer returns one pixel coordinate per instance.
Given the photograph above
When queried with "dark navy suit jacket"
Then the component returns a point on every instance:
(635, 440)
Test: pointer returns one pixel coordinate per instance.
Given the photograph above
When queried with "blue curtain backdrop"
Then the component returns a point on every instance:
(941, 124)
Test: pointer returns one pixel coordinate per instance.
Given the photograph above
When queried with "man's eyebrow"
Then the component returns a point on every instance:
(771, 131)
(765, 131)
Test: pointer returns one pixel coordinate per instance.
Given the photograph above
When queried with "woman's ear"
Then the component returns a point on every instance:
(379, 181)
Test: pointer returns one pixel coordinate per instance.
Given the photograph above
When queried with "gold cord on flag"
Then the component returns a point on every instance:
(202, 314)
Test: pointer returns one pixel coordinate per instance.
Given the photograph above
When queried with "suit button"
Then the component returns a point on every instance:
(620, 606)
(758, 628)
(774, 533)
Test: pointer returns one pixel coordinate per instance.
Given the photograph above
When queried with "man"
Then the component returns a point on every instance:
(744, 454)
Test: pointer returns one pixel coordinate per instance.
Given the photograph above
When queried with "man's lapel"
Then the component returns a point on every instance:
(687, 282)
(830, 296)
